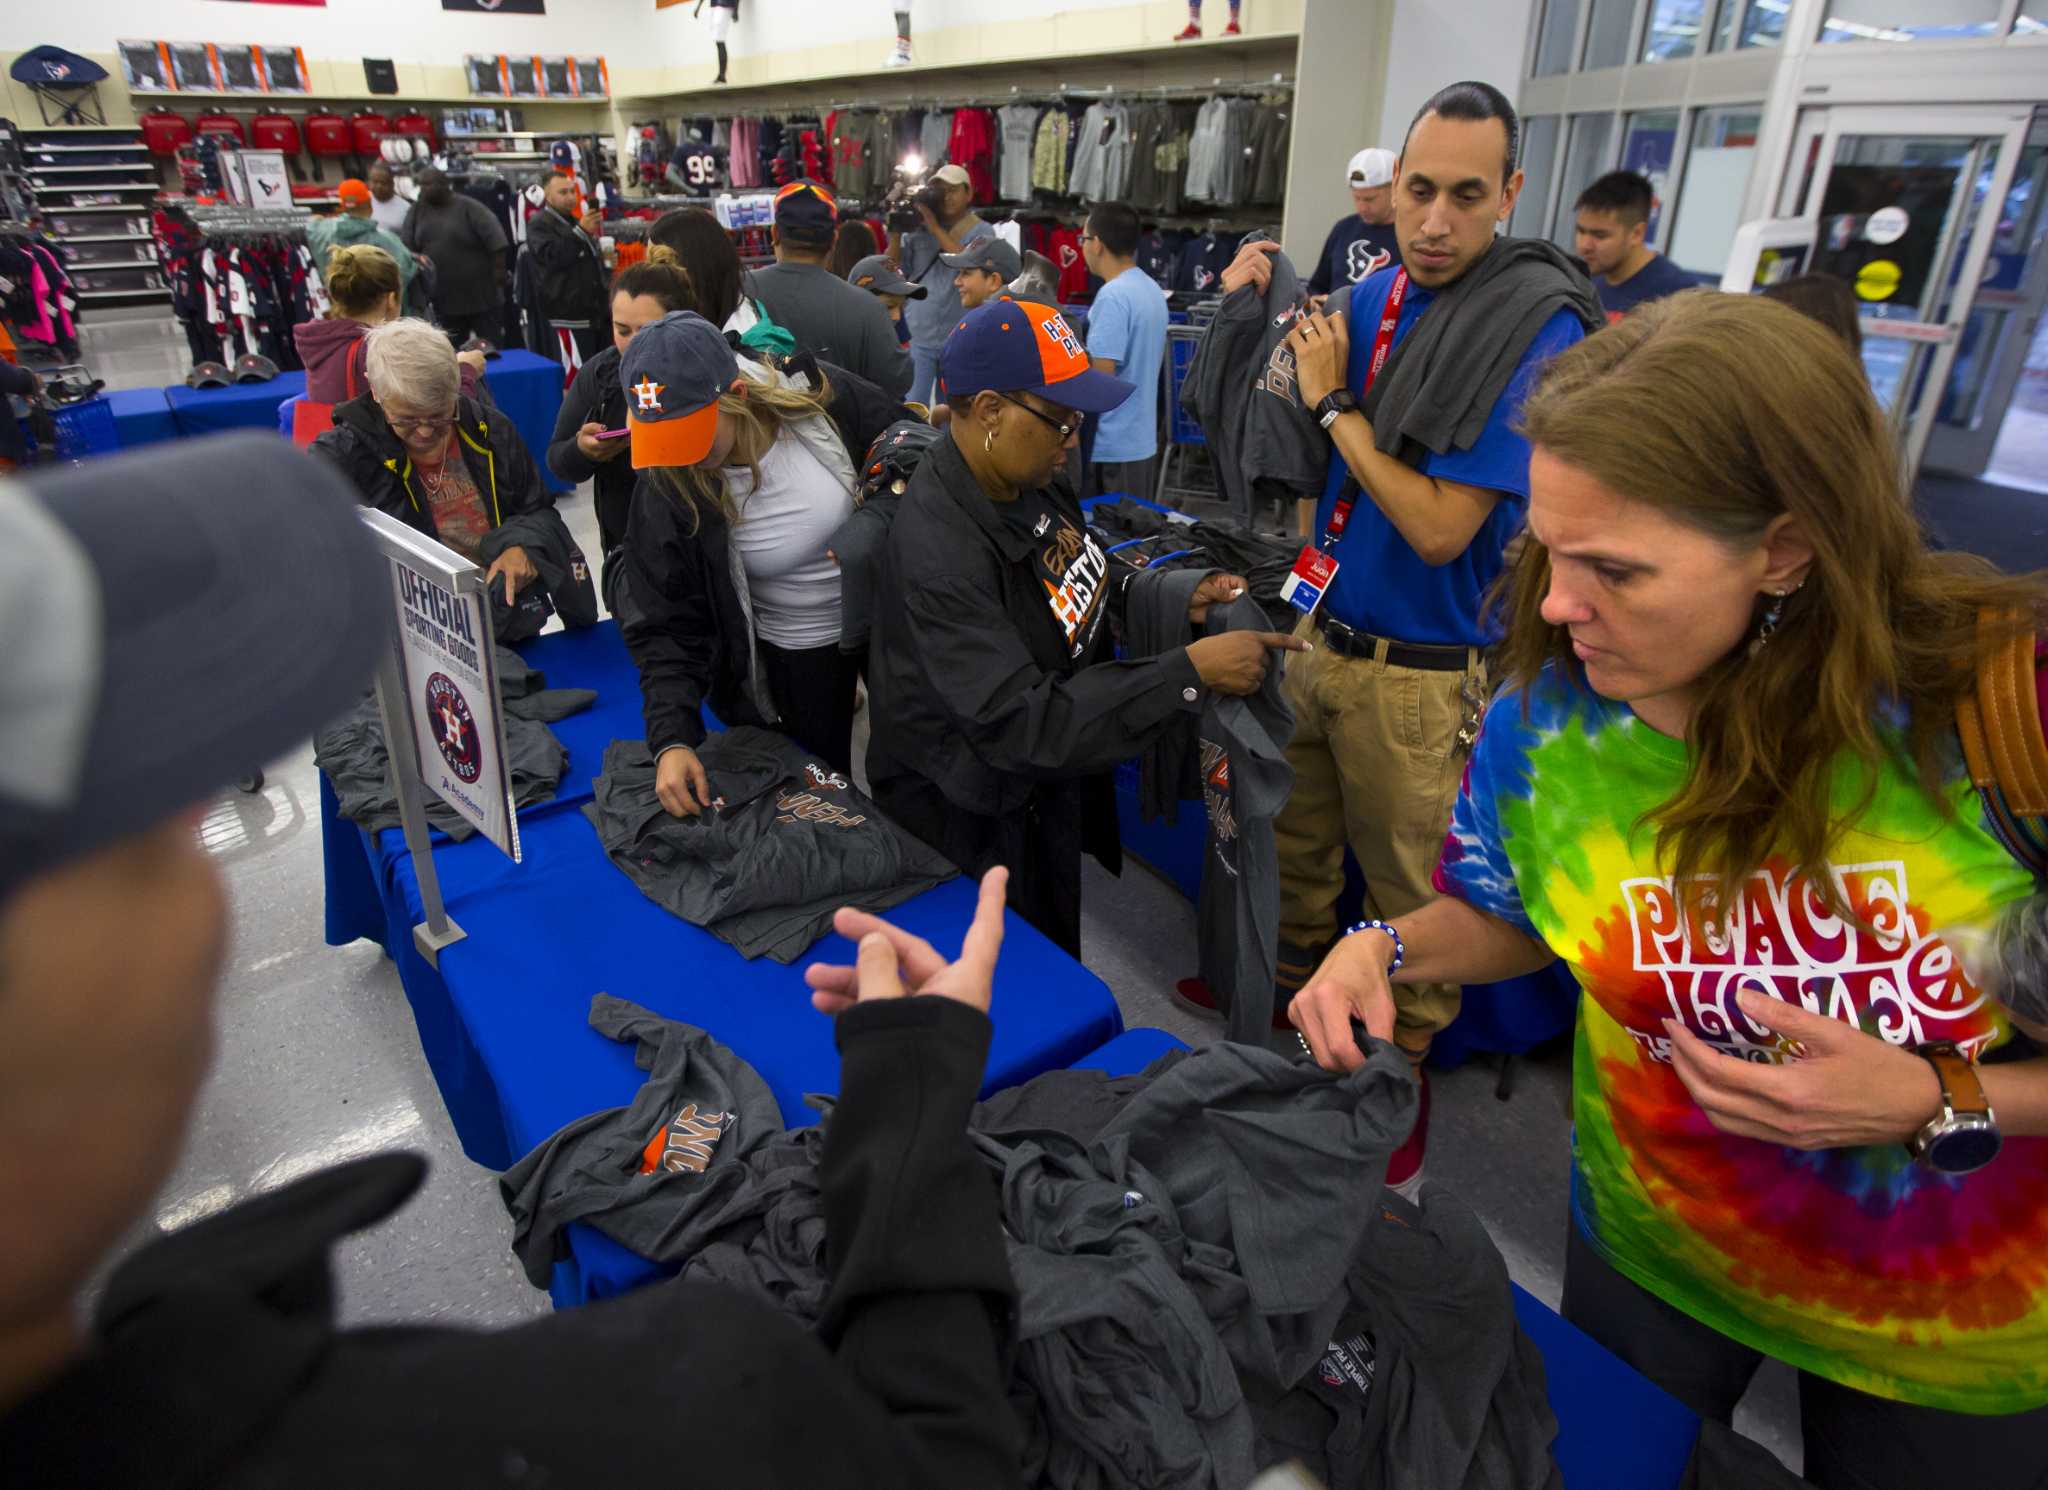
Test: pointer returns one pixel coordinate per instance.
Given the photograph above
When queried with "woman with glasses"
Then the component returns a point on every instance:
(452, 467)
(999, 709)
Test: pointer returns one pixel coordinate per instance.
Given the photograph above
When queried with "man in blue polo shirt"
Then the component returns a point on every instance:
(1427, 488)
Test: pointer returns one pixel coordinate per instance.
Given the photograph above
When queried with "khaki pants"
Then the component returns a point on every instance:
(1377, 761)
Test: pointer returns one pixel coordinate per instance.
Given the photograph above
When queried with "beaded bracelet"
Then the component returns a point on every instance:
(1400, 950)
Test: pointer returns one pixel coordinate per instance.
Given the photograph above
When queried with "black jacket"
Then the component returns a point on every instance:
(596, 396)
(675, 597)
(216, 1352)
(569, 272)
(990, 741)
(521, 508)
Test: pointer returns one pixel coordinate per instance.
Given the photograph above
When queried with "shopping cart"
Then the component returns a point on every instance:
(1186, 471)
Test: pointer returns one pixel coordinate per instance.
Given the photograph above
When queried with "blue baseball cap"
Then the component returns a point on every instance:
(1015, 346)
(672, 372)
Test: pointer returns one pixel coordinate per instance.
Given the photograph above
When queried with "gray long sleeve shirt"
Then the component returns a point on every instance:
(840, 324)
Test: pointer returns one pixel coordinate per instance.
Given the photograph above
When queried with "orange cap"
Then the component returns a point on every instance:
(353, 193)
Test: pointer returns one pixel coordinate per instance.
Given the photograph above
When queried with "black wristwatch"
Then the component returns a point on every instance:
(1964, 1135)
(1333, 404)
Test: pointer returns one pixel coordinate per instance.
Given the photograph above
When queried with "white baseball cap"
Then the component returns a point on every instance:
(1371, 167)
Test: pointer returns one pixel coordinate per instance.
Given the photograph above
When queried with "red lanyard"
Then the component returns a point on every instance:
(1382, 344)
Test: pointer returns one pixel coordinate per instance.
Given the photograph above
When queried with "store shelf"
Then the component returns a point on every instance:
(103, 207)
(101, 238)
(79, 149)
(479, 100)
(149, 186)
(150, 294)
(139, 165)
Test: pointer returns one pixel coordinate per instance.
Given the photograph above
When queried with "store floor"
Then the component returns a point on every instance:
(319, 1062)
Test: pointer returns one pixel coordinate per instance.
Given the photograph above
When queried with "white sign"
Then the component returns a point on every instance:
(449, 676)
(1887, 225)
(269, 184)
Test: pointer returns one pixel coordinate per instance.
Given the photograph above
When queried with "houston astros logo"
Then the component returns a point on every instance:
(454, 729)
(1063, 336)
(649, 393)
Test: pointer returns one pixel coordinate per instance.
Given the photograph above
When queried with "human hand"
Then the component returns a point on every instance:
(680, 784)
(893, 962)
(1841, 1089)
(592, 222)
(589, 440)
(516, 569)
(1322, 351)
(1216, 589)
(931, 218)
(474, 361)
(1236, 661)
(1252, 266)
(1352, 983)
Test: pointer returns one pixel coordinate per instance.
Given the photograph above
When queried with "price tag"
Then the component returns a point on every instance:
(1310, 578)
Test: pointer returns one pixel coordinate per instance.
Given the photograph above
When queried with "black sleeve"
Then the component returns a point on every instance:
(886, 359)
(16, 381)
(667, 619)
(579, 406)
(1021, 719)
(557, 266)
(520, 488)
(921, 1290)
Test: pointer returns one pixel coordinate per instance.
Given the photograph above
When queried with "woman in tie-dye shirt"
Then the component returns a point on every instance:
(1722, 782)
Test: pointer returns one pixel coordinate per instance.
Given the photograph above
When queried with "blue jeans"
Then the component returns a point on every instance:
(924, 372)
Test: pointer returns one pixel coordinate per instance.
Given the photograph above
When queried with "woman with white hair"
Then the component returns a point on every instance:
(452, 467)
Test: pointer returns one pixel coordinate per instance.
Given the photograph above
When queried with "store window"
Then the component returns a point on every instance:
(1675, 28)
(1539, 169)
(1607, 35)
(1750, 23)
(1554, 41)
(1907, 20)
(1586, 156)
(1709, 205)
(1649, 147)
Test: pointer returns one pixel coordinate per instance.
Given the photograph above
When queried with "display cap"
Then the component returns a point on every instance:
(805, 212)
(175, 618)
(353, 193)
(1014, 346)
(208, 375)
(1371, 167)
(953, 176)
(878, 274)
(987, 253)
(672, 372)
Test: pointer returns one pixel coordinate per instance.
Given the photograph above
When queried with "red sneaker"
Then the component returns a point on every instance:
(1231, 30)
(1406, 1161)
(1198, 997)
(1193, 33)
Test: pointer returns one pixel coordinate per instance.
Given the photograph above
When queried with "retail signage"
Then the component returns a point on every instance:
(1881, 227)
(265, 181)
(448, 679)
(509, 7)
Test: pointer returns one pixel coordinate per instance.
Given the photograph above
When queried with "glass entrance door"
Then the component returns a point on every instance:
(1905, 203)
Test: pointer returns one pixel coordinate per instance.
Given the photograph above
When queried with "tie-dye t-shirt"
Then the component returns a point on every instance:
(1857, 1264)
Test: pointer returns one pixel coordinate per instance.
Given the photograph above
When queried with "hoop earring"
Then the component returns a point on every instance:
(988, 441)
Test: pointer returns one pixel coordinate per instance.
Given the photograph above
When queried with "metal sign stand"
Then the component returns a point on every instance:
(437, 931)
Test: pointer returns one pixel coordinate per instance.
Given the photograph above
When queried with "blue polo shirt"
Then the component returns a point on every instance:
(1382, 584)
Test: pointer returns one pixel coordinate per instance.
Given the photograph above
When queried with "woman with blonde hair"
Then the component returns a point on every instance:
(364, 286)
(731, 596)
(1723, 782)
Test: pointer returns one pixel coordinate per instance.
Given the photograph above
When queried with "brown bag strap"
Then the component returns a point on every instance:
(2000, 720)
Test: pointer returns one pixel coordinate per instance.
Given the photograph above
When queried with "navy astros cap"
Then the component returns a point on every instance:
(1015, 346)
(805, 212)
(878, 274)
(175, 618)
(672, 372)
(987, 253)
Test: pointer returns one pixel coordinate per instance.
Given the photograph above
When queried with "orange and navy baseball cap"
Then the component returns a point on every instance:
(672, 373)
(1013, 346)
(806, 213)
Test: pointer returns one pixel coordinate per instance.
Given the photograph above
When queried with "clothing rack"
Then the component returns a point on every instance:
(1020, 94)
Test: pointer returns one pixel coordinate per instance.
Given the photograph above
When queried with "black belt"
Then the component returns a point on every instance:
(1347, 641)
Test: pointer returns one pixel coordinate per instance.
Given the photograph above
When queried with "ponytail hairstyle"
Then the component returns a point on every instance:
(759, 411)
(359, 277)
(661, 276)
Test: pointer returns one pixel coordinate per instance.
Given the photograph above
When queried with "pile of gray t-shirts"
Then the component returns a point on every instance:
(786, 842)
(352, 751)
(1211, 1275)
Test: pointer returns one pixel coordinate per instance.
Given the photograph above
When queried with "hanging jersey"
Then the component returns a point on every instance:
(698, 166)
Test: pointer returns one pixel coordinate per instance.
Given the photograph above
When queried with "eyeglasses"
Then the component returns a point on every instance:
(400, 425)
(1066, 430)
(1091, 238)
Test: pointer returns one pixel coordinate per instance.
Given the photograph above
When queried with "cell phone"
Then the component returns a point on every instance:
(613, 434)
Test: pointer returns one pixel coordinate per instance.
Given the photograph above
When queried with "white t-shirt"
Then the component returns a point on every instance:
(781, 536)
(390, 215)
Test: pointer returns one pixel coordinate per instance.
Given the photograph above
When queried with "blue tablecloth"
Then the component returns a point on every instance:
(526, 386)
(142, 416)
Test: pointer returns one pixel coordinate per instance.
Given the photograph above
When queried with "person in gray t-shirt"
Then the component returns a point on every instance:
(826, 315)
(947, 229)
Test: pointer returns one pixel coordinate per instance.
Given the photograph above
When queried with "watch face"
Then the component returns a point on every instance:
(1965, 1148)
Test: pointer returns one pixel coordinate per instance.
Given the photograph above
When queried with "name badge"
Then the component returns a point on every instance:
(1311, 576)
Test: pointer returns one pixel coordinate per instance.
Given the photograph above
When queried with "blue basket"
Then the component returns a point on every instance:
(85, 428)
